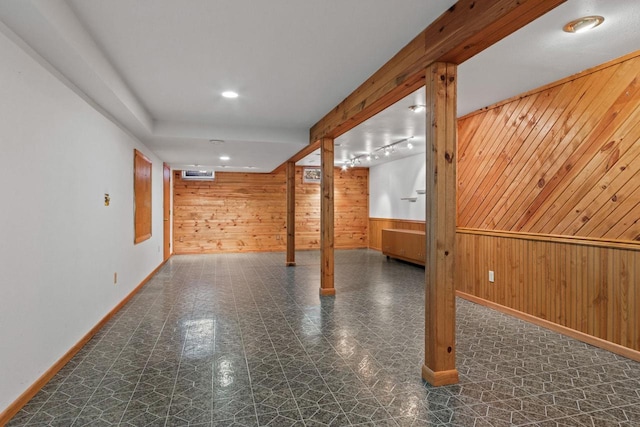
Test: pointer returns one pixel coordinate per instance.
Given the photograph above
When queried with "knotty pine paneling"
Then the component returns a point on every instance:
(585, 285)
(376, 225)
(564, 160)
(246, 212)
(351, 210)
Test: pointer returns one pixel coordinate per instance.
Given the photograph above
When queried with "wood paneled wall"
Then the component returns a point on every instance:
(376, 225)
(585, 285)
(549, 199)
(563, 160)
(240, 212)
(351, 210)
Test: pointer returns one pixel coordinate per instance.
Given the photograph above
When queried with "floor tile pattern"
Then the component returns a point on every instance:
(241, 340)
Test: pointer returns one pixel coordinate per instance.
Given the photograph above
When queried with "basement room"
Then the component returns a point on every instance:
(362, 213)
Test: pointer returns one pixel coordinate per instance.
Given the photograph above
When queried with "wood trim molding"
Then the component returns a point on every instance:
(560, 82)
(409, 221)
(580, 336)
(440, 378)
(30, 392)
(601, 243)
(142, 196)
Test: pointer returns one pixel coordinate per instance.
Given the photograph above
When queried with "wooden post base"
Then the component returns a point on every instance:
(291, 264)
(439, 378)
(328, 292)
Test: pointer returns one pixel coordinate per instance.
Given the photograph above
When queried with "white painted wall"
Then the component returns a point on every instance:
(60, 245)
(389, 182)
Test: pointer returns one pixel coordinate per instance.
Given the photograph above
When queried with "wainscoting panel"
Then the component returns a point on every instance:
(591, 286)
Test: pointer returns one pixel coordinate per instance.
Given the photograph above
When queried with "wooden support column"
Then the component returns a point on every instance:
(440, 304)
(326, 218)
(291, 214)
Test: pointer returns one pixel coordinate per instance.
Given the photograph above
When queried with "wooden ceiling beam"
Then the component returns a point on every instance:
(464, 30)
(308, 149)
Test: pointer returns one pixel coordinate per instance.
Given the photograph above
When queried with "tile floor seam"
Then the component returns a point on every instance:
(179, 360)
(355, 373)
(103, 334)
(244, 351)
(114, 362)
(273, 347)
(306, 352)
(511, 372)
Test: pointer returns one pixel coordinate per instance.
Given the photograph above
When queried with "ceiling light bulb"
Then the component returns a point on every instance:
(376, 157)
(386, 152)
(229, 94)
(409, 146)
(583, 24)
(368, 157)
(344, 167)
(224, 158)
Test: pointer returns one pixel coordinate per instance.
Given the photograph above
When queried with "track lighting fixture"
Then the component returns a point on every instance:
(387, 150)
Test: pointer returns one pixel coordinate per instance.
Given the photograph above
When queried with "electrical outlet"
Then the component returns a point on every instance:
(492, 277)
(115, 278)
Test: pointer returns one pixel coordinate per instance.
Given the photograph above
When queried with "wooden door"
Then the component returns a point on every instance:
(166, 209)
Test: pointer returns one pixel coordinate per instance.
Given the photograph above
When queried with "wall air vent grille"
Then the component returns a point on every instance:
(198, 175)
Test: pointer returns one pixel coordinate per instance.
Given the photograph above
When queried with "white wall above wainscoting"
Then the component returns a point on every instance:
(393, 181)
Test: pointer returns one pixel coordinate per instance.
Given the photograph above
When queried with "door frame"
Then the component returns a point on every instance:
(166, 210)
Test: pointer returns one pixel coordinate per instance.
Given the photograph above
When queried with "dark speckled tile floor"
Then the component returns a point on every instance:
(241, 340)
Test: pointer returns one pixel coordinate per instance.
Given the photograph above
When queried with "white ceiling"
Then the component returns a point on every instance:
(537, 54)
(157, 67)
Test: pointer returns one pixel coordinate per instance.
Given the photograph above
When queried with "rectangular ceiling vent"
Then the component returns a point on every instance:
(198, 175)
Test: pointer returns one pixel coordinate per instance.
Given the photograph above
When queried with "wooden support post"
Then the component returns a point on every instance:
(440, 304)
(291, 214)
(326, 218)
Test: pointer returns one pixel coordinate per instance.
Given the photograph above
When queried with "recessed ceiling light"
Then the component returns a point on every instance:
(230, 94)
(583, 24)
(224, 158)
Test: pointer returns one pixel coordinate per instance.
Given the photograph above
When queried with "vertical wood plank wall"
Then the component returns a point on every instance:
(588, 286)
(351, 210)
(246, 212)
(549, 199)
